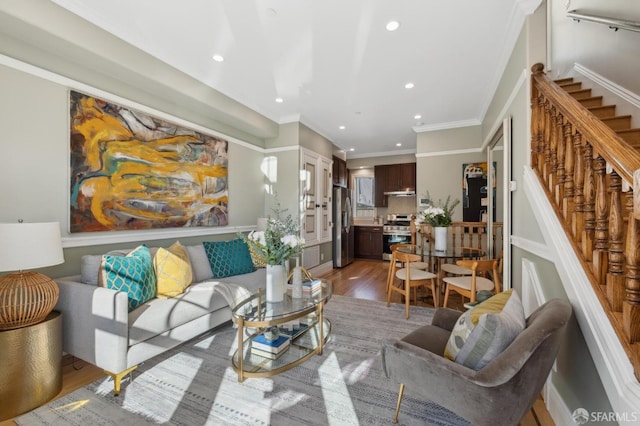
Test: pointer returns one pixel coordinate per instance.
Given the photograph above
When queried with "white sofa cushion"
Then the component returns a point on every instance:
(159, 315)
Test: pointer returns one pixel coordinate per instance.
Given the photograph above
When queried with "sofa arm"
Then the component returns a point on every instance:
(95, 323)
(445, 318)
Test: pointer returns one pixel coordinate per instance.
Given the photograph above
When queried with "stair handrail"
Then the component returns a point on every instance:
(623, 158)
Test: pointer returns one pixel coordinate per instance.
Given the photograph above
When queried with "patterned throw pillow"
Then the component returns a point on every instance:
(132, 274)
(483, 332)
(257, 258)
(228, 258)
(173, 270)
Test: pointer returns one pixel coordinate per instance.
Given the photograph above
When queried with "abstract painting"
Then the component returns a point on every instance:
(130, 170)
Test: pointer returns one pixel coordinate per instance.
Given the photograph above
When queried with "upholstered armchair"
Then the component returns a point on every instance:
(501, 392)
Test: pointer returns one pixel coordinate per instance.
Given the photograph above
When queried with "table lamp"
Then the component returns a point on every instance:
(27, 297)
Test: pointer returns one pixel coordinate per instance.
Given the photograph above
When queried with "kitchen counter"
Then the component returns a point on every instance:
(366, 223)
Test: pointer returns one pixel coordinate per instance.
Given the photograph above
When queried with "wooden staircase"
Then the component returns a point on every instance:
(621, 124)
(585, 157)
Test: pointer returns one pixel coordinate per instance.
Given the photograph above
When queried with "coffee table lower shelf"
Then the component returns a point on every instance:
(300, 349)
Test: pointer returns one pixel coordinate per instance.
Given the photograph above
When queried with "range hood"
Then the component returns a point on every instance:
(406, 193)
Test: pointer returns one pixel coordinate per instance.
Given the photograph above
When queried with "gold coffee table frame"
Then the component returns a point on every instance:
(254, 314)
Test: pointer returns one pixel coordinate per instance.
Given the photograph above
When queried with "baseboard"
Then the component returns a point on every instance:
(557, 408)
(321, 269)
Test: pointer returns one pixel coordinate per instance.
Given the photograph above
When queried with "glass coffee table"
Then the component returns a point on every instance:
(254, 315)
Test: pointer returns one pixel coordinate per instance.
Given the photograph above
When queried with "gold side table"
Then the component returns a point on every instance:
(30, 366)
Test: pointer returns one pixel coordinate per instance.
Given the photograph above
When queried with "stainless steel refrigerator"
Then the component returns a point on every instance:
(343, 231)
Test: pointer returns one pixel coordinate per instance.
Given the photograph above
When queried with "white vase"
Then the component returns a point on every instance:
(440, 234)
(275, 283)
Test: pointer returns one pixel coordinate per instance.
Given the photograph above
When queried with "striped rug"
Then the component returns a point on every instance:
(194, 384)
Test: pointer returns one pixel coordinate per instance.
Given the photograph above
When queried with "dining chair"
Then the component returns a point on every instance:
(469, 285)
(470, 253)
(410, 278)
(394, 262)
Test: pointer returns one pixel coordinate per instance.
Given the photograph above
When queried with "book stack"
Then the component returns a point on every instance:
(308, 287)
(293, 328)
(269, 349)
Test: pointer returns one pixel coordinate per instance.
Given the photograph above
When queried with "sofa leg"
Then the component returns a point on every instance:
(117, 378)
(400, 392)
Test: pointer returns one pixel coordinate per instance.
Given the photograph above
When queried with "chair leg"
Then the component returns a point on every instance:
(400, 392)
(407, 298)
(446, 295)
(434, 292)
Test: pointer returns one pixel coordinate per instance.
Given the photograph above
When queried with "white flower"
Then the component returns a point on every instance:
(259, 237)
(291, 240)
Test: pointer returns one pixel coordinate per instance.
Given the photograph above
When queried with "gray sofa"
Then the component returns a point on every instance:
(98, 327)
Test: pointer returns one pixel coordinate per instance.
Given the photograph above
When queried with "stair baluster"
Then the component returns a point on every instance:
(589, 204)
(585, 157)
(601, 237)
(615, 277)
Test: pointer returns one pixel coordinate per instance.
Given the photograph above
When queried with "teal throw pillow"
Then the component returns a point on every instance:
(228, 258)
(132, 274)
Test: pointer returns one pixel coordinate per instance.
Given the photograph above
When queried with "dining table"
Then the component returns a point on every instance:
(436, 258)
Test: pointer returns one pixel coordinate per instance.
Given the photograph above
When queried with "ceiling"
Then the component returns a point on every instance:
(332, 62)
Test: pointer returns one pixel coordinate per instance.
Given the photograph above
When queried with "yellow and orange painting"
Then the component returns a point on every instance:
(132, 171)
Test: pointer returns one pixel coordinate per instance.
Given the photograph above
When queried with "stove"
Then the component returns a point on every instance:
(396, 230)
(397, 223)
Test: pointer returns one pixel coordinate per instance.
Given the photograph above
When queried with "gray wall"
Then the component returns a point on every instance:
(612, 54)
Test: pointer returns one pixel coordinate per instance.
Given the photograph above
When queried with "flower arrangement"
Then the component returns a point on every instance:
(279, 242)
(438, 215)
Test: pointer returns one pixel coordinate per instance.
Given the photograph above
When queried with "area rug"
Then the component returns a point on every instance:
(194, 384)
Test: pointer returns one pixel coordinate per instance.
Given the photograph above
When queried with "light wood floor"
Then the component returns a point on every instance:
(363, 279)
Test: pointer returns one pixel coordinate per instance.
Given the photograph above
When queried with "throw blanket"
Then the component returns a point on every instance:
(233, 294)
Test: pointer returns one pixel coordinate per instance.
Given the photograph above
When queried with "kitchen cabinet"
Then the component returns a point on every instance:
(380, 181)
(368, 242)
(340, 172)
(401, 177)
(393, 177)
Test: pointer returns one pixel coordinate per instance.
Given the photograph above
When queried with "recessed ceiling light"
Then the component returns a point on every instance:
(341, 127)
(218, 58)
(398, 144)
(392, 25)
(352, 149)
(409, 85)
(279, 100)
(417, 116)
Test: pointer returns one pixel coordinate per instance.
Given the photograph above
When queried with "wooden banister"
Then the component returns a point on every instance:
(588, 171)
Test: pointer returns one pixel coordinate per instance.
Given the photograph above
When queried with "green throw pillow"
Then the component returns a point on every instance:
(132, 274)
(483, 332)
(228, 258)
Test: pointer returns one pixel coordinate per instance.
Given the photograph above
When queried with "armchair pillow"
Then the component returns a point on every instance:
(483, 332)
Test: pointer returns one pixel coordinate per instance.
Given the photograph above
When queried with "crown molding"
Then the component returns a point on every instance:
(446, 126)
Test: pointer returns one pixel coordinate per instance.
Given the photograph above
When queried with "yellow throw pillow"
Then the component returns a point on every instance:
(484, 332)
(173, 270)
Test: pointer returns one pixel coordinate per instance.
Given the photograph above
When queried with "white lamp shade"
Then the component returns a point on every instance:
(30, 245)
